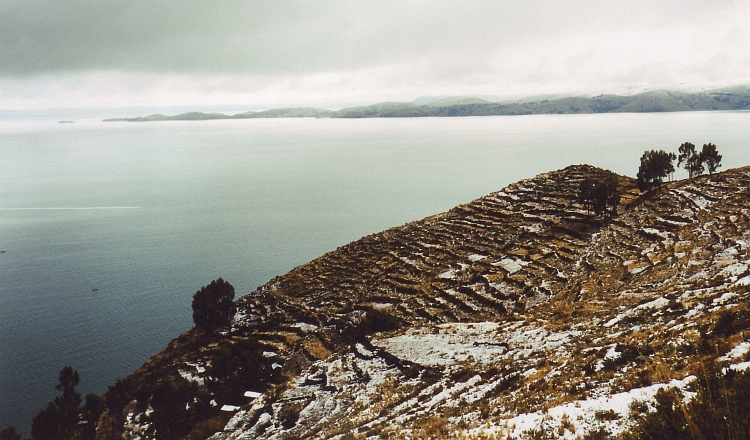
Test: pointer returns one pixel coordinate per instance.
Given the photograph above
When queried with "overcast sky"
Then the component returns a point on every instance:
(232, 52)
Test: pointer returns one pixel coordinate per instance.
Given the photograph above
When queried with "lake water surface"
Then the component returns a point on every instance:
(109, 228)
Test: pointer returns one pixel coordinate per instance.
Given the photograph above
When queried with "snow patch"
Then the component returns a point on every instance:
(582, 414)
(305, 327)
(737, 352)
(448, 274)
(511, 265)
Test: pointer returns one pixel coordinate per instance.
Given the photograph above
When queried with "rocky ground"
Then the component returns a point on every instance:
(519, 311)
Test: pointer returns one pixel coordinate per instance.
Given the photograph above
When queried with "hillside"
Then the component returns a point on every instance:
(518, 311)
(735, 98)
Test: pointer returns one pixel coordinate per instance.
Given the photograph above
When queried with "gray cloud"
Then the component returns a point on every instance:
(252, 37)
(319, 47)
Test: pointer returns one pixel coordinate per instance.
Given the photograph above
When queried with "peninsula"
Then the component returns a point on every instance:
(733, 98)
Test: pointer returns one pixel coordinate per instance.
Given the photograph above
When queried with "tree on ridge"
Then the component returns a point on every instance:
(711, 157)
(655, 166)
(213, 305)
(690, 160)
(60, 419)
(600, 196)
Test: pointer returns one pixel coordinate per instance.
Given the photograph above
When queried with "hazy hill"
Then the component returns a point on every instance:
(458, 100)
(378, 110)
(302, 112)
(732, 98)
(190, 116)
(520, 310)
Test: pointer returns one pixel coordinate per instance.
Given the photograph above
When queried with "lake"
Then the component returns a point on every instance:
(109, 228)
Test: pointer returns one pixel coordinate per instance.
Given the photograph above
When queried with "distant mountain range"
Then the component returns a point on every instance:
(733, 98)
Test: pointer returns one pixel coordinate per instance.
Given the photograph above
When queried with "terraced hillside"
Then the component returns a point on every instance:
(518, 311)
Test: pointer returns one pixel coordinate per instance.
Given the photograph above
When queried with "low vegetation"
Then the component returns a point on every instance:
(718, 411)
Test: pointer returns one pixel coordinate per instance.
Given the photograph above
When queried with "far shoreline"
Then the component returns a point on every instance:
(661, 101)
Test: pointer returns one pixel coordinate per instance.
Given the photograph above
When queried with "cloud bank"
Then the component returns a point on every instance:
(84, 53)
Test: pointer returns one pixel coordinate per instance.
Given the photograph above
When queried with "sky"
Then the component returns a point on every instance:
(81, 54)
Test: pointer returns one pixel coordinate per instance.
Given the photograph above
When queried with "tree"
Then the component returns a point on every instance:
(711, 157)
(690, 160)
(655, 166)
(173, 405)
(10, 433)
(90, 412)
(213, 305)
(116, 398)
(600, 196)
(60, 419)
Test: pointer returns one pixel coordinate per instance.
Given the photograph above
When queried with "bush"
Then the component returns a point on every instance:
(239, 367)
(174, 404)
(718, 411)
(213, 305)
(731, 322)
(289, 415)
(598, 434)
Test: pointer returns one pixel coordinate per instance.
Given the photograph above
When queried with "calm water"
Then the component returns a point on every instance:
(109, 228)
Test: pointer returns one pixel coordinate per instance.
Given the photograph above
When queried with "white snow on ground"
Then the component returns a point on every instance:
(534, 227)
(198, 368)
(737, 352)
(734, 269)
(476, 257)
(480, 343)
(695, 311)
(189, 376)
(381, 306)
(581, 414)
(308, 328)
(511, 265)
(447, 344)
(724, 298)
(699, 201)
(652, 231)
(448, 274)
(658, 303)
(740, 367)
(362, 349)
(744, 281)
(726, 257)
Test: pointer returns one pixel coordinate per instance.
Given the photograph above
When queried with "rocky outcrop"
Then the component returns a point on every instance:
(520, 310)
